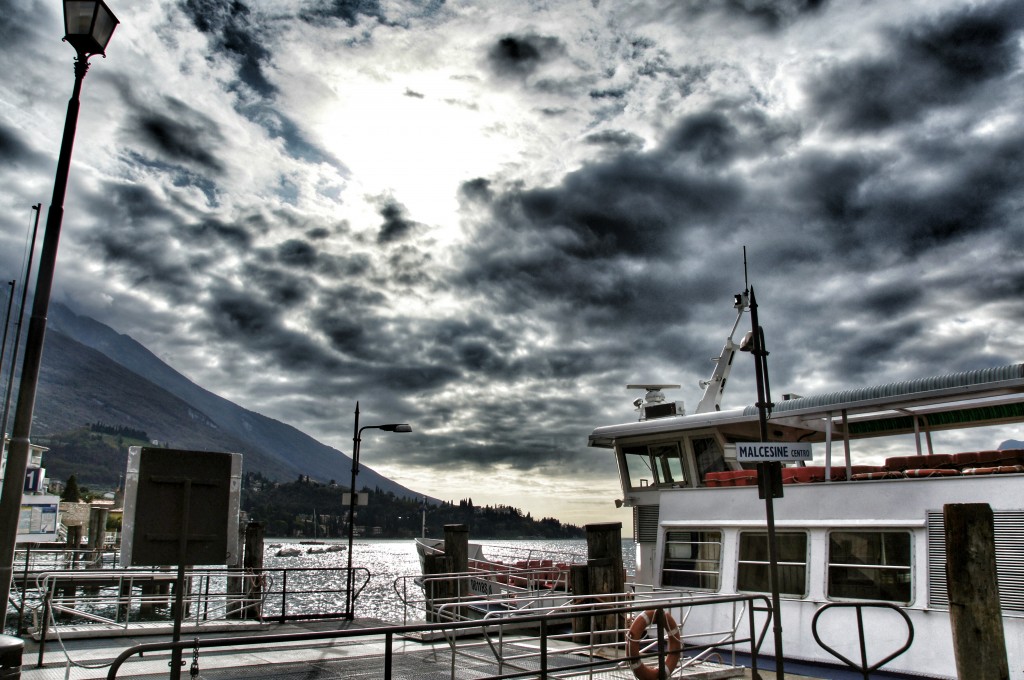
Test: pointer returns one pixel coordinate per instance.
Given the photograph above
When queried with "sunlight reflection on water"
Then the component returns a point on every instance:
(387, 560)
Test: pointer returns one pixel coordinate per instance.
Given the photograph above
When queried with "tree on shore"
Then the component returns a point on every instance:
(71, 493)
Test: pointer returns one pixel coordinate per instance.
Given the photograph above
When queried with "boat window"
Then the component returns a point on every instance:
(792, 560)
(708, 454)
(693, 559)
(638, 466)
(869, 565)
(658, 464)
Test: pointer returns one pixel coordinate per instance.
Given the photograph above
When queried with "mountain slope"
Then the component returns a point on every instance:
(91, 373)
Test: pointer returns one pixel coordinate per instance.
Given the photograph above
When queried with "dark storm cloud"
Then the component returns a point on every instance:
(872, 206)
(346, 334)
(228, 24)
(19, 15)
(212, 231)
(13, 151)
(936, 65)
(615, 139)
(243, 318)
(279, 286)
(397, 225)
(233, 33)
(180, 142)
(478, 189)
(969, 200)
(475, 345)
(520, 56)
(296, 143)
(629, 205)
(768, 14)
(297, 253)
(348, 11)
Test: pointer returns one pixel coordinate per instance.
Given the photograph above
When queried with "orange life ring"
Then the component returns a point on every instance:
(637, 630)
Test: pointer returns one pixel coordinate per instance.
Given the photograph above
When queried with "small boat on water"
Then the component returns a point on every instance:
(863, 522)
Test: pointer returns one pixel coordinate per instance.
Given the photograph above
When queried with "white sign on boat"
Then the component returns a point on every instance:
(757, 452)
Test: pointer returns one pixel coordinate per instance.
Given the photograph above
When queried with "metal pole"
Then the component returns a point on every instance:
(18, 455)
(3, 345)
(21, 317)
(349, 600)
(760, 371)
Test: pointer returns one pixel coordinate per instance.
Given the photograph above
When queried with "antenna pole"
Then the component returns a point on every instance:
(746, 281)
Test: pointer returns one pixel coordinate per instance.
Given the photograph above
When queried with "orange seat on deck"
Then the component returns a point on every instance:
(931, 472)
(933, 461)
(715, 479)
(744, 477)
(997, 470)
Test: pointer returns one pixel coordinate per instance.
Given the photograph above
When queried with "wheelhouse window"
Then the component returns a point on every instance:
(654, 465)
(870, 565)
(753, 565)
(693, 559)
(708, 455)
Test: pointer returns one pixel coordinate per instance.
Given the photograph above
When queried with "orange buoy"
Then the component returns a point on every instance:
(637, 630)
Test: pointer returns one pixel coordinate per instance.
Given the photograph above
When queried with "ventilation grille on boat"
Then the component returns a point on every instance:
(1009, 530)
(645, 523)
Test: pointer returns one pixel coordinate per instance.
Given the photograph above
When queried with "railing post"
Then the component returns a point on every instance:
(47, 615)
(24, 587)
(284, 592)
(544, 648)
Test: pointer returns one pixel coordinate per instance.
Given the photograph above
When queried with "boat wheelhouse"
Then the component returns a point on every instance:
(846, 531)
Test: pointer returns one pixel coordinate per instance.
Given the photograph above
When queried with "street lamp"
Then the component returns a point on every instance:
(88, 25)
(357, 437)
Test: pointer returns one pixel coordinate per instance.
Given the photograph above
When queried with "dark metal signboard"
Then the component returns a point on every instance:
(181, 507)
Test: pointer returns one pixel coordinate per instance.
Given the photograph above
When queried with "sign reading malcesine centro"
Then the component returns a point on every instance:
(759, 452)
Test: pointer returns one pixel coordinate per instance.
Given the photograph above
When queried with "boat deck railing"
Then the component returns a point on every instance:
(534, 643)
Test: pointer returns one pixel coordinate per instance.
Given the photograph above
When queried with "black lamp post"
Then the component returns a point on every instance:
(88, 25)
(356, 439)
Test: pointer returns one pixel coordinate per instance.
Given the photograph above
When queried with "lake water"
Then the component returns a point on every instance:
(392, 561)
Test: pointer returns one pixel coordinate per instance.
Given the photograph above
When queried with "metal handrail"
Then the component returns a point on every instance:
(859, 606)
(451, 629)
(113, 599)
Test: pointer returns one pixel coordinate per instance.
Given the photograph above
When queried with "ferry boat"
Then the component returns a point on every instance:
(846, 531)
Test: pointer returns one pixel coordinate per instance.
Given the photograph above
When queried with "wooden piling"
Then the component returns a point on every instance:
(436, 590)
(972, 584)
(456, 549)
(456, 546)
(252, 563)
(603, 581)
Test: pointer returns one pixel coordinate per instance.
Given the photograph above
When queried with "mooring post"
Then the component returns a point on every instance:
(973, 588)
(97, 534)
(456, 548)
(253, 567)
(436, 590)
(605, 577)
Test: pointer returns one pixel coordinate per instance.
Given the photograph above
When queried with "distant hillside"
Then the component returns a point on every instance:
(91, 373)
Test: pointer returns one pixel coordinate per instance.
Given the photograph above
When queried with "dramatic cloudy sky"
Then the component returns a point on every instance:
(486, 218)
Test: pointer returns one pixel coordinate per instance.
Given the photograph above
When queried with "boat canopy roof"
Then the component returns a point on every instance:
(987, 396)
